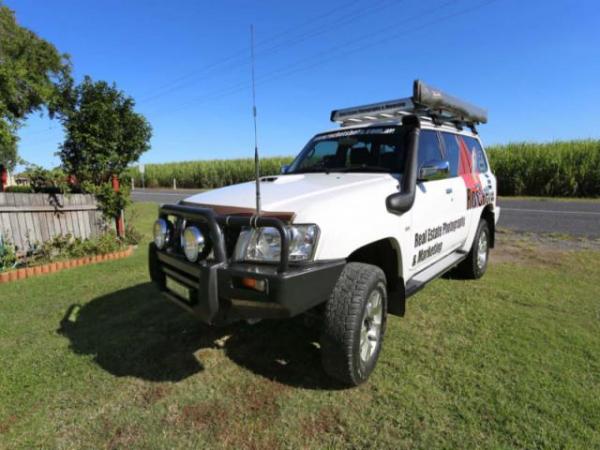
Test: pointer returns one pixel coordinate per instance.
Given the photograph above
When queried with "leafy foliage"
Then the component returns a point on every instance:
(53, 181)
(32, 74)
(562, 168)
(67, 246)
(8, 256)
(19, 189)
(103, 132)
(110, 202)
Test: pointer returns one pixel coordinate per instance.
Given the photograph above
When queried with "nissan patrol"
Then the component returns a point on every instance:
(364, 217)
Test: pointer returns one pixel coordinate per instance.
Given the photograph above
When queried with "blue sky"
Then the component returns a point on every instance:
(534, 65)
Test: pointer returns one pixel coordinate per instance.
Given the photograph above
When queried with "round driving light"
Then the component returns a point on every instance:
(161, 233)
(193, 243)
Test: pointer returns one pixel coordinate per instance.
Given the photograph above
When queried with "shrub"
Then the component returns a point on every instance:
(8, 256)
(19, 189)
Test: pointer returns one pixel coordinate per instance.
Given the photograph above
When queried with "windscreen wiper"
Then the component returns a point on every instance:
(361, 169)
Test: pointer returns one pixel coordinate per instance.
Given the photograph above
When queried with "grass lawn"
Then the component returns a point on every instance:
(93, 357)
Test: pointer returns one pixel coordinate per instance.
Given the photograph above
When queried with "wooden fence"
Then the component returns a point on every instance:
(27, 219)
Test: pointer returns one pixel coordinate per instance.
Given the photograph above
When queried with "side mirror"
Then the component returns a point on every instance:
(434, 170)
(284, 169)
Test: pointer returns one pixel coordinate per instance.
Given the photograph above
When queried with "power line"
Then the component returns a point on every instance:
(233, 60)
(323, 57)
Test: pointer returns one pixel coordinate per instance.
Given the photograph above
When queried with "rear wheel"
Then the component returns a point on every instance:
(475, 265)
(354, 323)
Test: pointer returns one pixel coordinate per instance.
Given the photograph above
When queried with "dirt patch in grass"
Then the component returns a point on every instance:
(241, 422)
(211, 415)
(540, 250)
(154, 394)
(7, 423)
(325, 421)
(123, 437)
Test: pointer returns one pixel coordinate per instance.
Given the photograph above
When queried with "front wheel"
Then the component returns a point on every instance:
(475, 265)
(354, 323)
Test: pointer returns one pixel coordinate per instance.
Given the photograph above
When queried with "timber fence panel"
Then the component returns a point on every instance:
(27, 219)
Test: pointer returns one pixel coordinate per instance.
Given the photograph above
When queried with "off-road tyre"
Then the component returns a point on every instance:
(344, 322)
(472, 267)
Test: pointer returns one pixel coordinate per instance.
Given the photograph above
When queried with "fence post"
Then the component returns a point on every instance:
(174, 184)
(119, 219)
(3, 177)
(132, 183)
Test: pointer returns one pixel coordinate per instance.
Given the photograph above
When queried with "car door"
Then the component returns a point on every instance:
(474, 170)
(437, 216)
(459, 182)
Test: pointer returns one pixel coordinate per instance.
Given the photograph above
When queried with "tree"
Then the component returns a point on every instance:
(33, 74)
(103, 133)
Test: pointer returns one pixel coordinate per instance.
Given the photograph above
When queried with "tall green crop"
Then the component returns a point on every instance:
(206, 174)
(555, 169)
(561, 168)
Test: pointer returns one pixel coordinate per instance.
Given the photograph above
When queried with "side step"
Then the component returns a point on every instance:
(432, 272)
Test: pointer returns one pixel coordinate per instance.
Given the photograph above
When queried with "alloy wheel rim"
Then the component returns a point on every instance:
(370, 331)
(482, 251)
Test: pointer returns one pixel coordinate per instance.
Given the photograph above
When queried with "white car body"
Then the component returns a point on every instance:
(364, 217)
(350, 210)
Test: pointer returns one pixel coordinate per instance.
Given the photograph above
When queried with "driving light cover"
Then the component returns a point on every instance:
(193, 243)
(161, 233)
(264, 244)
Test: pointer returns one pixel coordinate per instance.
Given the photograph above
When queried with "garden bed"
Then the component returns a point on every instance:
(56, 266)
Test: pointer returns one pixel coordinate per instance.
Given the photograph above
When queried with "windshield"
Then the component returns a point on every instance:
(359, 150)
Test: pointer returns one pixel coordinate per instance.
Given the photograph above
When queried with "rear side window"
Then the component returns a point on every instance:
(479, 161)
(452, 152)
(429, 147)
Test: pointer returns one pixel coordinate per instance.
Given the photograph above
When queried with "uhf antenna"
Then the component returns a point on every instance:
(256, 160)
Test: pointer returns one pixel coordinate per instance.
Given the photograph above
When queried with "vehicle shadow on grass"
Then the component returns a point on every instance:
(136, 332)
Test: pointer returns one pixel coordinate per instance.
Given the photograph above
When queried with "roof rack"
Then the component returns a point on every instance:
(426, 101)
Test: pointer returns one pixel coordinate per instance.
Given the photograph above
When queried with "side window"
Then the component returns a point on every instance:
(429, 147)
(452, 152)
(479, 161)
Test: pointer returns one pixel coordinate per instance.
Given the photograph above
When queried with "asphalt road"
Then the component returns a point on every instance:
(577, 218)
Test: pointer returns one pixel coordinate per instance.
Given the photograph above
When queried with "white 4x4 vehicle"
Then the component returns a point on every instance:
(364, 217)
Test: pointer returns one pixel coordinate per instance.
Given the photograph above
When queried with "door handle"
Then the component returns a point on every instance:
(449, 191)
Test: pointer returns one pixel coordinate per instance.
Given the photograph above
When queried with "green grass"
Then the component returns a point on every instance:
(93, 357)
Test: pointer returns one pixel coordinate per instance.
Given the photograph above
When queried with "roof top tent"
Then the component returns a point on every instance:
(426, 101)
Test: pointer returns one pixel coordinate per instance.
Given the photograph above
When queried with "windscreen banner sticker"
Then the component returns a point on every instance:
(357, 132)
(433, 234)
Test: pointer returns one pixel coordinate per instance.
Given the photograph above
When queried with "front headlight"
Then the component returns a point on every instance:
(192, 243)
(161, 233)
(264, 244)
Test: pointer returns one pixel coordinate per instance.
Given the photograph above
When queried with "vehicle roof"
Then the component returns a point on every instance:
(426, 124)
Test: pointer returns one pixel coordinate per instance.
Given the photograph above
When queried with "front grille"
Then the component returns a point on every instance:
(231, 236)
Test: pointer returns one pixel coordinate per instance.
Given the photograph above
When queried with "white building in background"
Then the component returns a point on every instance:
(11, 179)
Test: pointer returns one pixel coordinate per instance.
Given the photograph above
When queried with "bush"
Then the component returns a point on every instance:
(205, 174)
(53, 181)
(67, 247)
(556, 169)
(19, 189)
(8, 256)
